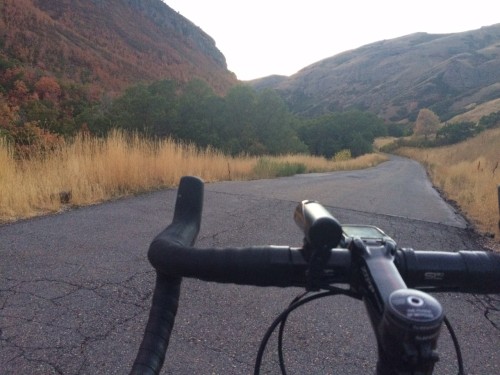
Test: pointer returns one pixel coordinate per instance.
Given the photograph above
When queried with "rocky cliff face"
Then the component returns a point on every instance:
(166, 19)
(111, 42)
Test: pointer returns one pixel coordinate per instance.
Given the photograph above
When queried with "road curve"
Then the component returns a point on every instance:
(75, 288)
(399, 187)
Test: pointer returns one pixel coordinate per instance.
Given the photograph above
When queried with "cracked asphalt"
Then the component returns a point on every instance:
(75, 287)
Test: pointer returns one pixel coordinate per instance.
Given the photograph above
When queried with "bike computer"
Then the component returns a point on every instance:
(365, 232)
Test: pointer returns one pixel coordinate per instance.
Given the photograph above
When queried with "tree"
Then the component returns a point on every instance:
(238, 129)
(275, 125)
(8, 113)
(427, 123)
(332, 133)
(19, 93)
(457, 132)
(490, 121)
(148, 109)
(196, 116)
(47, 88)
(45, 115)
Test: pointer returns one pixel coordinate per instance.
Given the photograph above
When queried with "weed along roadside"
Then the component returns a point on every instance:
(88, 170)
(468, 174)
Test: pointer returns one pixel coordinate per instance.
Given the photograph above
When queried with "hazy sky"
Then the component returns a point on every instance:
(264, 37)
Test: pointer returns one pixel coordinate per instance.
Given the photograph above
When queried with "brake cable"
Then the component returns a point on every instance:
(281, 319)
(456, 344)
(300, 300)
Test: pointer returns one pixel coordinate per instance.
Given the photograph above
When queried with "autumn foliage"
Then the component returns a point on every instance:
(47, 88)
(37, 111)
(427, 123)
(113, 43)
(59, 58)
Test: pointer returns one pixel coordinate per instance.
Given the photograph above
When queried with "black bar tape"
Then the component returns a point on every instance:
(463, 271)
(187, 214)
(151, 354)
(257, 265)
(182, 232)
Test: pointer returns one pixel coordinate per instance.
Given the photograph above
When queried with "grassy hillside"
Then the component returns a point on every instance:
(469, 174)
(396, 78)
(475, 112)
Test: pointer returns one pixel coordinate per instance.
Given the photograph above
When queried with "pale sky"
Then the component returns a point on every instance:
(264, 37)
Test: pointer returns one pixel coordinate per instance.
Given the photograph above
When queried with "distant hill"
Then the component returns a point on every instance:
(448, 73)
(113, 43)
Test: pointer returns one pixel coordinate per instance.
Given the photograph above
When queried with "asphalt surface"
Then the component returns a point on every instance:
(75, 287)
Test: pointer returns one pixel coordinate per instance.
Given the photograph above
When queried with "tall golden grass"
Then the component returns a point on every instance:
(88, 170)
(468, 173)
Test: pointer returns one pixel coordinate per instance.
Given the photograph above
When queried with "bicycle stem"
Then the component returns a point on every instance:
(408, 317)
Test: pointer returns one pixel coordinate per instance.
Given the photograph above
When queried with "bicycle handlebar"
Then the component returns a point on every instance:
(172, 255)
(182, 232)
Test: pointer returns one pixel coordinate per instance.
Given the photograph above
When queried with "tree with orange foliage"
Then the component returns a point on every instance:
(19, 93)
(47, 88)
(427, 123)
(7, 113)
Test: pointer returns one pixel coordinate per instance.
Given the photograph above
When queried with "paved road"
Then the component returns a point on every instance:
(75, 287)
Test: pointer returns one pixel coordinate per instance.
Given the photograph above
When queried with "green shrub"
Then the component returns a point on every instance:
(454, 133)
(267, 168)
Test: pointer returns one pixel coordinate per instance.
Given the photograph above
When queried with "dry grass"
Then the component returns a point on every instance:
(383, 141)
(468, 173)
(88, 170)
(315, 164)
(475, 113)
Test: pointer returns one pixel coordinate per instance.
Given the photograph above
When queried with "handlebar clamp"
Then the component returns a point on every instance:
(322, 232)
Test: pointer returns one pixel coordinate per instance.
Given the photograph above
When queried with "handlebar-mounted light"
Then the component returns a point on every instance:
(322, 232)
(321, 229)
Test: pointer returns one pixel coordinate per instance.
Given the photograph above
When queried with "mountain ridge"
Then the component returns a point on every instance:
(114, 44)
(395, 78)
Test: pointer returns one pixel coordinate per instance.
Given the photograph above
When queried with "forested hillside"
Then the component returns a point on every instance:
(61, 59)
(112, 43)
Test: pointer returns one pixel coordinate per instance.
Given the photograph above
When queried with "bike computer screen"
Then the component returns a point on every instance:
(363, 231)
